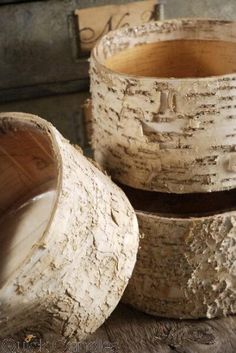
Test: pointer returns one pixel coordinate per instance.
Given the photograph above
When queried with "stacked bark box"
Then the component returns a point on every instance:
(164, 122)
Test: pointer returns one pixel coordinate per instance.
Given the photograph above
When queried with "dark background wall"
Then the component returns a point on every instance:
(42, 71)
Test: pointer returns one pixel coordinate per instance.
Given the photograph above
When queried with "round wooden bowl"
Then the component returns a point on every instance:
(186, 265)
(164, 105)
(69, 236)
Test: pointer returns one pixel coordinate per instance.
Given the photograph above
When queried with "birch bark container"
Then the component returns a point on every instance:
(164, 105)
(186, 265)
(69, 236)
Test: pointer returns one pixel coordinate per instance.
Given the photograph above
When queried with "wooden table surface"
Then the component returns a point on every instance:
(130, 331)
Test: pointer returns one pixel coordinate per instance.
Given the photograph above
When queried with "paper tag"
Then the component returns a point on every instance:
(94, 22)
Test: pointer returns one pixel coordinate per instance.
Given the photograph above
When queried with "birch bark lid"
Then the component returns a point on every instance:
(164, 98)
(65, 262)
(186, 262)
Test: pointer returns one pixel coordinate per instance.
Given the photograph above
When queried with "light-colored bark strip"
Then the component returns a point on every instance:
(185, 266)
(167, 134)
(74, 276)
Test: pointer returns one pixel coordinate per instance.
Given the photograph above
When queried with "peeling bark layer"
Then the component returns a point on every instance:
(174, 134)
(74, 276)
(185, 266)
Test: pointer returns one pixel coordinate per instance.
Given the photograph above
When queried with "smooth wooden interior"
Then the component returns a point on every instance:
(181, 205)
(28, 179)
(176, 58)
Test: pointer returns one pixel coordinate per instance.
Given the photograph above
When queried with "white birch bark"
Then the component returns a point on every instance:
(74, 276)
(185, 266)
(167, 134)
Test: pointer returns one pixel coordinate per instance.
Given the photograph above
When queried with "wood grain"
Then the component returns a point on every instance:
(130, 331)
(136, 332)
(192, 58)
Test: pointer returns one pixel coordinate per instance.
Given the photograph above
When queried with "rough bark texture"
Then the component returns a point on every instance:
(171, 134)
(74, 277)
(130, 331)
(185, 267)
